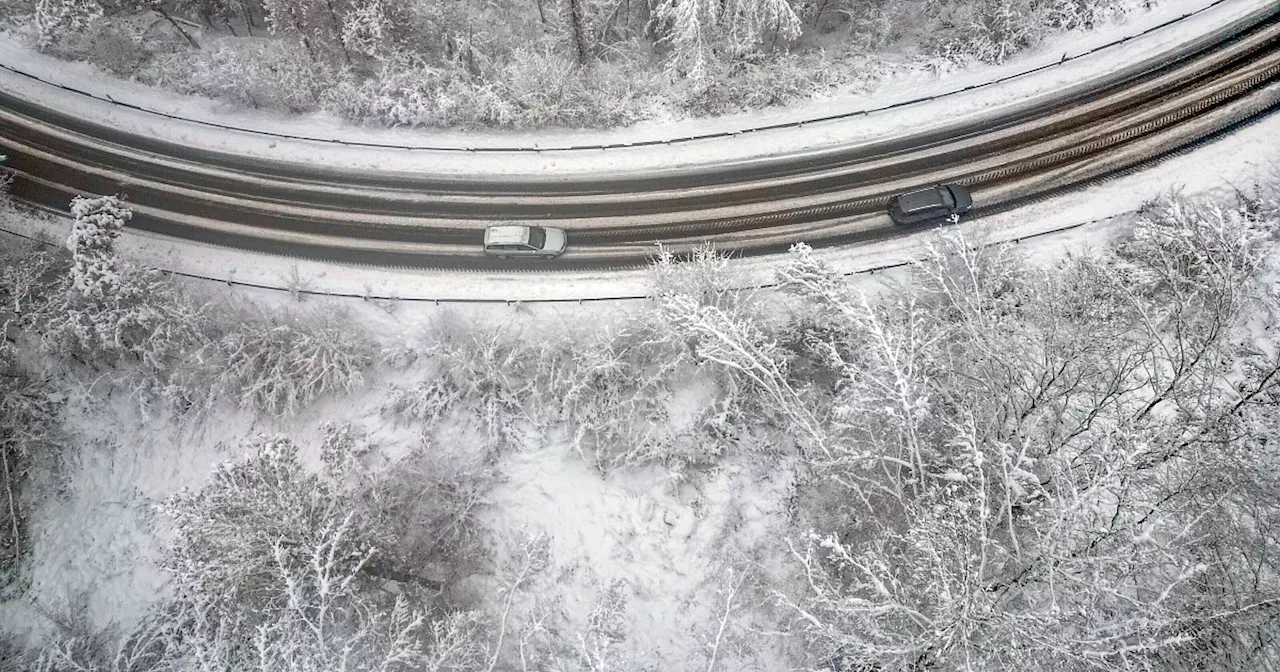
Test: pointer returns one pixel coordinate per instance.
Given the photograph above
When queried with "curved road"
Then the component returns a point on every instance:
(828, 196)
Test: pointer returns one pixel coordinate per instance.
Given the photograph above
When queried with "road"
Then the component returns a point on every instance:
(834, 195)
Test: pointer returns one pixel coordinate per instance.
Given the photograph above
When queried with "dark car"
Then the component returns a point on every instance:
(934, 204)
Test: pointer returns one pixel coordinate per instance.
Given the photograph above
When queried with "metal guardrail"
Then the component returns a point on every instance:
(517, 302)
(618, 145)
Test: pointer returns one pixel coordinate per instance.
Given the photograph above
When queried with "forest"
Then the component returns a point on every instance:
(535, 63)
(990, 464)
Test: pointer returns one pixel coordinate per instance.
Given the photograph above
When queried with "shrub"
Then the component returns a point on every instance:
(528, 88)
(29, 281)
(990, 31)
(272, 74)
(617, 394)
(755, 84)
(117, 50)
(145, 319)
(279, 364)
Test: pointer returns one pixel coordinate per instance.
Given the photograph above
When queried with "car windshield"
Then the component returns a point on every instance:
(948, 199)
(537, 237)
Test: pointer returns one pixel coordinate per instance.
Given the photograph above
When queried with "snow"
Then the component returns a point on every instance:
(957, 108)
(668, 544)
(95, 545)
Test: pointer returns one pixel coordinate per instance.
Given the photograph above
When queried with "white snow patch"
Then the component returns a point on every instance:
(668, 544)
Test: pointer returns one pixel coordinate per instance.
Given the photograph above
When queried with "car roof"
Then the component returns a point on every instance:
(925, 199)
(506, 235)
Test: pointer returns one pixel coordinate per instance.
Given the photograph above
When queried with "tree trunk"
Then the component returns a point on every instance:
(575, 23)
(337, 29)
(383, 571)
(160, 8)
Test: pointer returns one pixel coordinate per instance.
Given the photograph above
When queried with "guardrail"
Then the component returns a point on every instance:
(517, 302)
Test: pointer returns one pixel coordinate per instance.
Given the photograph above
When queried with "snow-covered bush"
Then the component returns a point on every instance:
(117, 50)
(672, 386)
(498, 377)
(6, 180)
(991, 31)
(1045, 467)
(259, 73)
(277, 568)
(750, 84)
(410, 92)
(626, 396)
(279, 364)
(1182, 247)
(28, 278)
(528, 88)
(145, 318)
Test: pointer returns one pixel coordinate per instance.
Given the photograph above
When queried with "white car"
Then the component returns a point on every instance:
(524, 241)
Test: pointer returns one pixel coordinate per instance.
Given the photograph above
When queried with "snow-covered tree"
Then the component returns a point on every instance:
(55, 19)
(368, 29)
(573, 13)
(690, 33)
(318, 24)
(95, 270)
(278, 568)
(695, 29)
(704, 307)
(105, 309)
(1047, 467)
(750, 23)
(223, 12)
